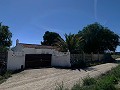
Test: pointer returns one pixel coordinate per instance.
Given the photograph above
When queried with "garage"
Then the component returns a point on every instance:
(37, 60)
(25, 56)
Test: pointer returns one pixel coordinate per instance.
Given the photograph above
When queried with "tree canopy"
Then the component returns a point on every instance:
(49, 38)
(5, 37)
(98, 38)
(92, 38)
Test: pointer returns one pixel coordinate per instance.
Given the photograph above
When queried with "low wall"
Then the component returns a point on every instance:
(87, 57)
(61, 60)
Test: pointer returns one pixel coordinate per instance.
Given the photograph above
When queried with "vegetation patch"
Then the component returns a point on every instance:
(115, 56)
(5, 76)
(60, 87)
(106, 81)
(89, 81)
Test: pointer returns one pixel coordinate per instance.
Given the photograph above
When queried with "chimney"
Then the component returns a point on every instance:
(17, 42)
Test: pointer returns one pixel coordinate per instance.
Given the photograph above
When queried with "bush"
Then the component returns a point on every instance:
(79, 64)
(105, 86)
(89, 81)
(108, 58)
(115, 56)
(116, 72)
(78, 87)
(105, 82)
(5, 76)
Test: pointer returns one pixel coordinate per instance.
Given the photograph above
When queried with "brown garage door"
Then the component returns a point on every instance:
(37, 60)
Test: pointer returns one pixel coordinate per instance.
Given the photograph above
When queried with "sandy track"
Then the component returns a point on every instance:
(47, 78)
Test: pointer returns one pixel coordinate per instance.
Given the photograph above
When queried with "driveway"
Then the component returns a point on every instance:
(49, 78)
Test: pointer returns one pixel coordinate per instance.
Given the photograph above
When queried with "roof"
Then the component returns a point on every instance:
(36, 46)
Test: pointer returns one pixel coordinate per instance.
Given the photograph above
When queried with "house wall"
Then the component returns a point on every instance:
(58, 58)
(61, 60)
(45, 51)
(16, 59)
(18, 48)
(29, 51)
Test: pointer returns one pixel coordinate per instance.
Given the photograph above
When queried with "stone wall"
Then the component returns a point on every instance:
(86, 57)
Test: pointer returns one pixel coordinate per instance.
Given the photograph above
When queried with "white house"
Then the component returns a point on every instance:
(33, 55)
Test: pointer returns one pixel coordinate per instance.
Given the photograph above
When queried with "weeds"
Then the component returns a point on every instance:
(89, 81)
(104, 82)
(115, 56)
(5, 76)
(60, 87)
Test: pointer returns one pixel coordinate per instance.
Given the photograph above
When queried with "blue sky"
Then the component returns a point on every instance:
(29, 19)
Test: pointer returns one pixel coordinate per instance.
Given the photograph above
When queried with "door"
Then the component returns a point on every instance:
(37, 60)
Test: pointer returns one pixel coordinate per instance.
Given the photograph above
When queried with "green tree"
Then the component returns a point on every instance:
(49, 38)
(5, 37)
(98, 38)
(71, 43)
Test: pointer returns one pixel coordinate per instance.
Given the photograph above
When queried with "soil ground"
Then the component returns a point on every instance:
(49, 78)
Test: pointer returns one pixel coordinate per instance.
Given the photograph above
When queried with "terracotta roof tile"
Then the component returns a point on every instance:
(36, 46)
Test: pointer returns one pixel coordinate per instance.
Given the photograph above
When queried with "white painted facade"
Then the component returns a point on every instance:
(16, 58)
(61, 60)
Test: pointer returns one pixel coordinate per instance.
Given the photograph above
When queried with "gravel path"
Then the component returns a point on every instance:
(48, 78)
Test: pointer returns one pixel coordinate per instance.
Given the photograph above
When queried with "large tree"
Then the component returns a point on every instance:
(98, 38)
(71, 43)
(49, 38)
(5, 37)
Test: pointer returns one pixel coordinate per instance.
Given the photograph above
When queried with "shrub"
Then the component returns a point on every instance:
(105, 86)
(105, 82)
(115, 56)
(77, 86)
(108, 58)
(5, 76)
(116, 72)
(89, 81)
(79, 63)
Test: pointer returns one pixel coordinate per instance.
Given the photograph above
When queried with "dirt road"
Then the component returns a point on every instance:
(48, 78)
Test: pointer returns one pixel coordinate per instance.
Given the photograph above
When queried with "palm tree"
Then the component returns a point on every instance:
(71, 43)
